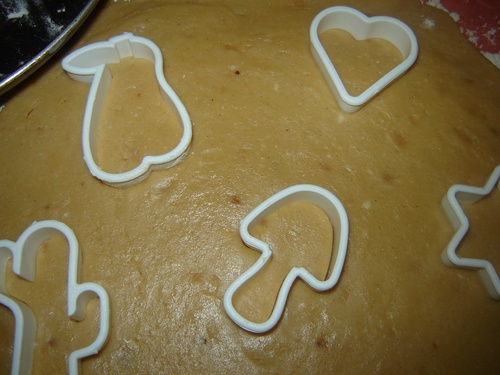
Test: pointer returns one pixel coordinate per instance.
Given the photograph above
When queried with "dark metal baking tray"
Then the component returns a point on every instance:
(31, 31)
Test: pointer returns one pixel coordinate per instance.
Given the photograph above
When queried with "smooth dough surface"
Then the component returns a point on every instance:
(263, 119)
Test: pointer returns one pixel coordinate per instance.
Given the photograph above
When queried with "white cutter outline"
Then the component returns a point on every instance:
(451, 203)
(86, 65)
(24, 253)
(332, 206)
(361, 27)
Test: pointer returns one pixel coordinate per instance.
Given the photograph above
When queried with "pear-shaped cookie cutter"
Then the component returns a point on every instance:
(88, 64)
(335, 211)
(361, 27)
(23, 253)
(451, 203)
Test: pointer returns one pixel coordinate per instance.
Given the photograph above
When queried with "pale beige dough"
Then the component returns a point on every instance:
(136, 122)
(263, 119)
(377, 55)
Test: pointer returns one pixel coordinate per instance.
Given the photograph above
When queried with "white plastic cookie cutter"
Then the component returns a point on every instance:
(338, 218)
(88, 64)
(24, 253)
(361, 27)
(451, 203)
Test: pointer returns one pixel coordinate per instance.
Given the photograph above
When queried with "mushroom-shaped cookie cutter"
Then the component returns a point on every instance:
(451, 203)
(338, 218)
(88, 64)
(361, 27)
(24, 253)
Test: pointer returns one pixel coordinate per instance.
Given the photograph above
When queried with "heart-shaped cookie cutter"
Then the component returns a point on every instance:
(361, 27)
(451, 203)
(332, 206)
(88, 64)
(23, 253)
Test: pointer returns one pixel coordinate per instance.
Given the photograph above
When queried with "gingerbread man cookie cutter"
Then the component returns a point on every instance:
(451, 203)
(332, 206)
(361, 27)
(88, 64)
(23, 253)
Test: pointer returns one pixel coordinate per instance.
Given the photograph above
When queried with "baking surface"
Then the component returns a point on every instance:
(479, 21)
(263, 119)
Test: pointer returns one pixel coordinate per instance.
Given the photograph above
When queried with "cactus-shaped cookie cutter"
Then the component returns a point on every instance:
(23, 253)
